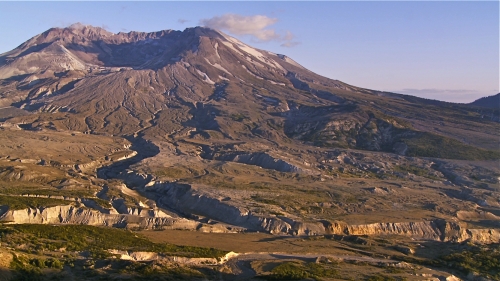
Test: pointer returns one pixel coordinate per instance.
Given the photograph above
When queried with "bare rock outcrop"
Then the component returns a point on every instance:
(263, 160)
(140, 211)
(69, 214)
(484, 236)
(438, 230)
(260, 159)
(430, 230)
(189, 201)
(150, 256)
(59, 215)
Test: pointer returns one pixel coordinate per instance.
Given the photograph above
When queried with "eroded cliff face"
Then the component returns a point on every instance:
(484, 236)
(60, 214)
(192, 200)
(69, 214)
(437, 230)
(431, 230)
(186, 200)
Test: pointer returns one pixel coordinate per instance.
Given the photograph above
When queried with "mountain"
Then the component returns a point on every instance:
(161, 82)
(490, 101)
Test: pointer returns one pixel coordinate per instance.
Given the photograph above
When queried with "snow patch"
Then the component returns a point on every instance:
(289, 60)
(223, 78)
(230, 45)
(218, 66)
(254, 62)
(205, 77)
(276, 83)
(216, 46)
(258, 77)
(278, 65)
(251, 51)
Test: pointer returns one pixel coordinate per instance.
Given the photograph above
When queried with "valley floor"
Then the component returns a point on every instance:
(359, 216)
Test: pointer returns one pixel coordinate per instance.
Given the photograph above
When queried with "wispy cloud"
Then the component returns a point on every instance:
(289, 40)
(182, 21)
(256, 26)
(290, 44)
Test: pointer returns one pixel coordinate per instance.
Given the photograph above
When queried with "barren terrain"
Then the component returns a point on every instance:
(214, 160)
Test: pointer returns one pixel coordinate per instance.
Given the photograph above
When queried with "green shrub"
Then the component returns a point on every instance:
(296, 271)
(485, 261)
(288, 271)
(54, 263)
(38, 262)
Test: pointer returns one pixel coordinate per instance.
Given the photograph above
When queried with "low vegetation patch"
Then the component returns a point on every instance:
(22, 188)
(101, 202)
(171, 172)
(381, 277)
(177, 171)
(24, 267)
(416, 171)
(262, 199)
(21, 202)
(298, 271)
(432, 145)
(238, 117)
(95, 240)
(484, 261)
(151, 270)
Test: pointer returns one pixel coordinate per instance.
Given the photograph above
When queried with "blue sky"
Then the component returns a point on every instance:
(442, 50)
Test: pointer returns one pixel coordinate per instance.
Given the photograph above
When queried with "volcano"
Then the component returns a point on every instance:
(161, 82)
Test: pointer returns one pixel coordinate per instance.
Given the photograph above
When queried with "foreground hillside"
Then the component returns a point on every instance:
(195, 130)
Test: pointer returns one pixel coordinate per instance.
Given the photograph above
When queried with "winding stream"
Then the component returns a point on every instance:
(144, 149)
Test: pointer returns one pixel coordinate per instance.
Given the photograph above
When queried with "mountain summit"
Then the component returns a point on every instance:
(84, 47)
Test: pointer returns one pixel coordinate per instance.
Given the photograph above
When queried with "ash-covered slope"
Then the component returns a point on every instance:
(202, 83)
(120, 83)
(194, 55)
